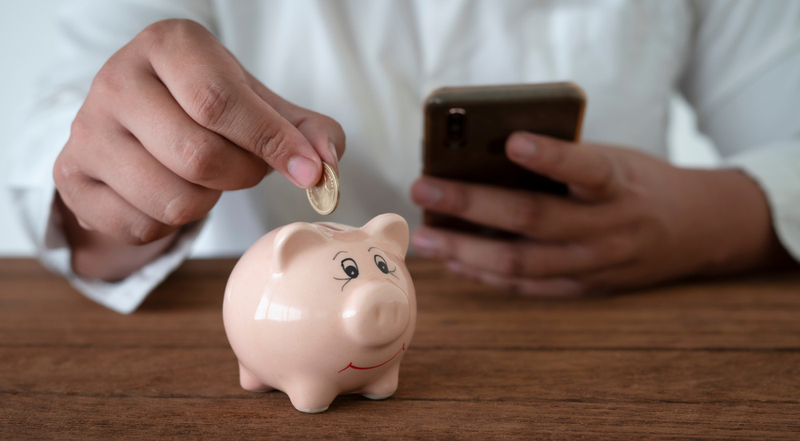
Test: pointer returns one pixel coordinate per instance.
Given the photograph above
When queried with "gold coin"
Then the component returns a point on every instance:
(324, 196)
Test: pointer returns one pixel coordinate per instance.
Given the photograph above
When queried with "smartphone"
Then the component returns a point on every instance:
(466, 130)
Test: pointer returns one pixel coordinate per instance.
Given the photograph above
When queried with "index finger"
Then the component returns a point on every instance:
(534, 215)
(211, 87)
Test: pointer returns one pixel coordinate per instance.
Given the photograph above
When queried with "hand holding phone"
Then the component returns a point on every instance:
(628, 220)
(466, 129)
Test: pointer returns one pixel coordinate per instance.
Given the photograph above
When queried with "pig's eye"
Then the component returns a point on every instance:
(350, 268)
(381, 262)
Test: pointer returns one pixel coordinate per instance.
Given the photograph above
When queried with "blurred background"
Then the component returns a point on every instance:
(27, 29)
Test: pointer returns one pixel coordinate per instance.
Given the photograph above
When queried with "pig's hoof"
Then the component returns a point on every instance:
(250, 382)
(317, 410)
(311, 395)
(378, 396)
(259, 391)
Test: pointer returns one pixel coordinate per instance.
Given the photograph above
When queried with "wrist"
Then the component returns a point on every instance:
(738, 234)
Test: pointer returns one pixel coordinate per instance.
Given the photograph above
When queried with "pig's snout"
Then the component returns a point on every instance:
(376, 314)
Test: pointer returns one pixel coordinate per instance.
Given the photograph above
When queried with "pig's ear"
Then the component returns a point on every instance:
(292, 241)
(390, 230)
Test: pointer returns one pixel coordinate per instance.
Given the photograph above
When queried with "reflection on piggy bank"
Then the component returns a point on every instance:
(319, 310)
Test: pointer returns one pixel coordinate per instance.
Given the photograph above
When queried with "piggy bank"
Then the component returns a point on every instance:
(319, 310)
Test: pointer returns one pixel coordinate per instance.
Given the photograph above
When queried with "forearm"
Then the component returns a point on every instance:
(97, 256)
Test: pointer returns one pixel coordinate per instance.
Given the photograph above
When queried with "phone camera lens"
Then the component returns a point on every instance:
(455, 128)
(455, 124)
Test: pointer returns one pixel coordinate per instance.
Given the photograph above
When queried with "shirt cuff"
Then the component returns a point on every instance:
(126, 295)
(776, 169)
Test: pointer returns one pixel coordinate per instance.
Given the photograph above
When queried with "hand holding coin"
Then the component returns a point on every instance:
(324, 197)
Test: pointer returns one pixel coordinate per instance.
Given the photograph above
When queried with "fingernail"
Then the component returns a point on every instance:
(426, 242)
(334, 158)
(521, 146)
(303, 170)
(426, 193)
(332, 148)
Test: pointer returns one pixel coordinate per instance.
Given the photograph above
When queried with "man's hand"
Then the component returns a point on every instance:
(171, 120)
(630, 220)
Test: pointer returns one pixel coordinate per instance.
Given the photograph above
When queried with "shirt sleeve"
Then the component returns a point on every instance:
(89, 33)
(743, 79)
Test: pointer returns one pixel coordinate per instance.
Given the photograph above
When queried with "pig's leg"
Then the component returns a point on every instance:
(311, 396)
(250, 382)
(384, 386)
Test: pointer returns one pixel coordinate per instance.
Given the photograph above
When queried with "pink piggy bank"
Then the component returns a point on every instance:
(320, 310)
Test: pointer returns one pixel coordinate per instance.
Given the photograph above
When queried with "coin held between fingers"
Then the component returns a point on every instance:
(324, 197)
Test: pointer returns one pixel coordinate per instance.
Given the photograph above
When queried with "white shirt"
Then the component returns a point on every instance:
(369, 64)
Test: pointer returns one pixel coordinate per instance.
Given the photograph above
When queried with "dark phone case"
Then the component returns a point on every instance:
(492, 113)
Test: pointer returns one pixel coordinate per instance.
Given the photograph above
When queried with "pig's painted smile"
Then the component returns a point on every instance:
(373, 367)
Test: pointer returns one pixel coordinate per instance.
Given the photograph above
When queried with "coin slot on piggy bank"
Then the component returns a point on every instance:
(321, 310)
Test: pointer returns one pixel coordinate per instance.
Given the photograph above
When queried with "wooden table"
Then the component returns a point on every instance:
(717, 359)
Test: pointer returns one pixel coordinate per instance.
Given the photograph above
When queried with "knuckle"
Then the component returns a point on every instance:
(271, 144)
(174, 29)
(109, 80)
(212, 102)
(458, 201)
(603, 179)
(556, 156)
(509, 260)
(184, 30)
(155, 33)
(65, 170)
(78, 130)
(143, 231)
(83, 135)
(605, 174)
(61, 172)
(180, 211)
(199, 158)
(525, 216)
(159, 29)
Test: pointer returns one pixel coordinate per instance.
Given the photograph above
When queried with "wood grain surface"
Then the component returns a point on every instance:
(704, 359)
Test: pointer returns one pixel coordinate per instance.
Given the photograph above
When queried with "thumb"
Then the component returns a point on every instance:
(589, 172)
